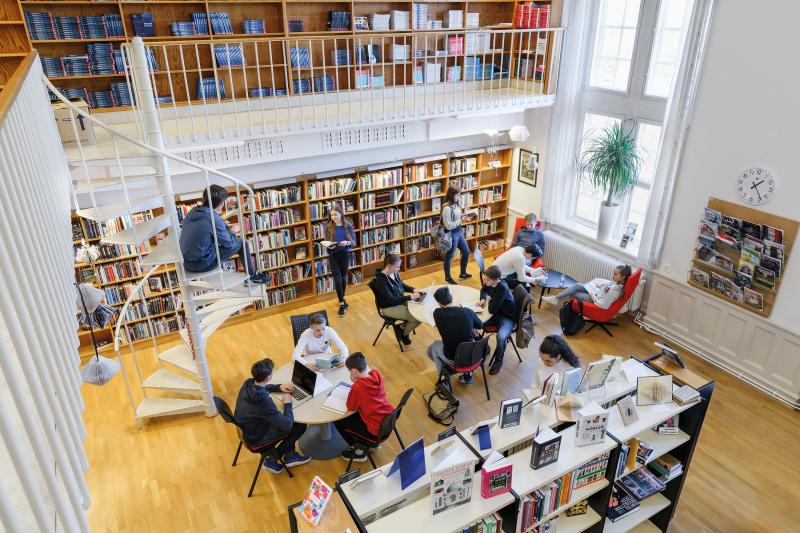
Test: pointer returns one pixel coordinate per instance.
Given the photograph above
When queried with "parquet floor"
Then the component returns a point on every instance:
(175, 475)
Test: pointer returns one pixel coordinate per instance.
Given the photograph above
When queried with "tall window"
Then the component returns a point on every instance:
(632, 62)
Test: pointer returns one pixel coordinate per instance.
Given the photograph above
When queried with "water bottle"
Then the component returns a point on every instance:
(562, 281)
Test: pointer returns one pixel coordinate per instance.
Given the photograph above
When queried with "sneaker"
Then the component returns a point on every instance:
(465, 276)
(260, 277)
(296, 459)
(406, 340)
(345, 304)
(356, 454)
(496, 366)
(552, 300)
(465, 378)
(271, 465)
(341, 309)
(451, 281)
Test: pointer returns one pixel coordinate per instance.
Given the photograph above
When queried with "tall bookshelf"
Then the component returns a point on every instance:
(392, 207)
(14, 41)
(275, 72)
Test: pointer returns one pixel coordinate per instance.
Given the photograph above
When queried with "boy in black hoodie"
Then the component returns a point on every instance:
(261, 421)
(502, 307)
(390, 294)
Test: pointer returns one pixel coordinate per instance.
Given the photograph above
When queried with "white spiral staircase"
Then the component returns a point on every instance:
(139, 173)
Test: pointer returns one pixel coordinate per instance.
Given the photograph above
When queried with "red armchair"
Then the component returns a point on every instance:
(602, 317)
(518, 224)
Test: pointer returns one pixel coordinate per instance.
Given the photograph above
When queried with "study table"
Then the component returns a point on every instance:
(319, 441)
(468, 296)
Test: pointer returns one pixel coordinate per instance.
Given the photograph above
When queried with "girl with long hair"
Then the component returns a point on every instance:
(601, 292)
(555, 356)
(451, 219)
(343, 236)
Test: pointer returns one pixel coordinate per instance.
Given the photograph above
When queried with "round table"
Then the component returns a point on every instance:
(468, 296)
(555, 280)
(321, 440)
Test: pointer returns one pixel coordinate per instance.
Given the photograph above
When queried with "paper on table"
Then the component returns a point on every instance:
(473, 308)
(327, 244)
(337, 399)
(634, 369)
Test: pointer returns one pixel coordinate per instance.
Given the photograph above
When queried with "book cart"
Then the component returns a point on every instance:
(392, 207)
(380, 505)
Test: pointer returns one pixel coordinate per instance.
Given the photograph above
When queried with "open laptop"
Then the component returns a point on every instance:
(424, 295)
(305, 381)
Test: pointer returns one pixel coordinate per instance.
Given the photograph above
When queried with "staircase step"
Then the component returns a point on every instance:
(180, 356)
(163, 379)
(220, 295)
(227, 303)
(151, 407)
(133, 182)
(209, 328)
(166, 252)
(140, 232)
(216, 279)
(105, 212)
(222, 314)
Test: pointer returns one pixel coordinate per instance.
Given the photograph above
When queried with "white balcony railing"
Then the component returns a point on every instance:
(225, 90)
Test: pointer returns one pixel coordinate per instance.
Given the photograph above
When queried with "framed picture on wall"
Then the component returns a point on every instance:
(528, 168)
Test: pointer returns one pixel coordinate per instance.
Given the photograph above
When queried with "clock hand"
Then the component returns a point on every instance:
(755, 185)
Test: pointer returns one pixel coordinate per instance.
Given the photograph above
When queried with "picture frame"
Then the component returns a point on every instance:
(524, 173)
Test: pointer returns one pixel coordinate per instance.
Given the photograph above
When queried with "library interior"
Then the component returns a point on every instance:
(477, 266)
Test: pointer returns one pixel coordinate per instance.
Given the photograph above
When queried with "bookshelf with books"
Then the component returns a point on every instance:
(15, 43)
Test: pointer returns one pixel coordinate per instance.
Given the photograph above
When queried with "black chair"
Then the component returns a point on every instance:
(523, 300)
(388, 426)
(388, 322)
(300, 323)
(469, 357)
(264, 450)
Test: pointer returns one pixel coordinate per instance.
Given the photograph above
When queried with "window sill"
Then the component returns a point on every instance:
(587, 235)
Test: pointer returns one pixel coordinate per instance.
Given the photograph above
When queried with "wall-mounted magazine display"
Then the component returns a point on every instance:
(741, 254)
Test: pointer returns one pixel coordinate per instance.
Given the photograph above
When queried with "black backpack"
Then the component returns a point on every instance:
(571, 322)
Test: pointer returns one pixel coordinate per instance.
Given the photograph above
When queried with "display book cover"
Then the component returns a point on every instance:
(510, 413)
(621, 503)
(410, 463)
(546, 445)
(642, 483)
(591, 424)
(495, 475)
(451, 480)
(317, 497)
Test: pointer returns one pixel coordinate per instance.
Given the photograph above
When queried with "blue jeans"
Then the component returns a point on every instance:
(505, 326)
(461, 243)
(576, 291)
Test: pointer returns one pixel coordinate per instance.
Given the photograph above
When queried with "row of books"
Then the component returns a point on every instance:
(491, 194)
(46, 26)
(386, 233)
(229, 55)
(332, 187)
(418, 244)
(221, 23)
(325, 284)
(425, 190)
(272, 239)
(373, 255)
(319, 230)
(322, 267)
(381, 178)
(463, 164)
(282, 295)
(365, 79)
(487, 228)
(283, 276)
(491, 244)
(116, 225)
(320, 210)
(531, 16)
(378, 218)
(356, 277)
(279, 217)
(254, 26)
(422, 225)
(210, 89)
(161, 326)
(266, 199)
(274, 259)
(380, 199)
(469, 181)
(338, 21)
(260, 92)
(489, 524)
(122, 270)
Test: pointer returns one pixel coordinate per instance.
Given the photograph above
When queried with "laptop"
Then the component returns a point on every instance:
(305, 381)
(424, 296)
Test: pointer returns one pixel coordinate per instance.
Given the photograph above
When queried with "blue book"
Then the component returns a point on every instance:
(410, 463)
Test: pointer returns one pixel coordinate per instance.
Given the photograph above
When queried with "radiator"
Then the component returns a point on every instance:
(583, 263)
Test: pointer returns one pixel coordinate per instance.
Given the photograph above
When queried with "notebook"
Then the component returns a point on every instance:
(337, 398)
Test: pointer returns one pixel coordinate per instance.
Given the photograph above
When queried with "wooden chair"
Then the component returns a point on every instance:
(387, 320)
(300, 323)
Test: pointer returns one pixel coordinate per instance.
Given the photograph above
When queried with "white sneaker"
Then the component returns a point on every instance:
(552, 300)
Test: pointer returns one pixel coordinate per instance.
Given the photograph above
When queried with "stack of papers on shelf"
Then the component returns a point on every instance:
(473, 20)
(420, 16)
(337, 399)
(399, 20)
(251, 26)
(379, 21)
(228, 55)
(433, 72)
(400, 52)
(455, 18)
(183, 29)
(340, 57)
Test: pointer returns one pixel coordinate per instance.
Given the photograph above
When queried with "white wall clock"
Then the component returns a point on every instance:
(755, 186)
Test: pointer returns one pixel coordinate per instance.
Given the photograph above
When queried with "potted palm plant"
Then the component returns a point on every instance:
(610, 162)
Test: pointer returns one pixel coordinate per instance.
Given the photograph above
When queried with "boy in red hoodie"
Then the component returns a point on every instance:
(368, 399)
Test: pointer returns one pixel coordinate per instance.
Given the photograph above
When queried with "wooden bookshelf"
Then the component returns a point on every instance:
(512, 56)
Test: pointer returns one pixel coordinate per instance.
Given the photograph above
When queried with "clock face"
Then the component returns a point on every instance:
(755, 186)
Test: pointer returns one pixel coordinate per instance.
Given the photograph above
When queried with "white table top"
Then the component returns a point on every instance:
(461, 295)
(312, 412)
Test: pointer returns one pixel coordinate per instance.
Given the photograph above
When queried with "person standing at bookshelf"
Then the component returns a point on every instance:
(451, 220)
(341, 233)
(555, 356)
(197, 237)
(501, 303)
(391, 297)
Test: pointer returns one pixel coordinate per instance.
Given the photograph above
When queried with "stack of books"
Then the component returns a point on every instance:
(399, 20)
(76, 65)
(122, 96)
(40, 26)
(324, 83)
(220, 23)
(340, 57)
(338, 20)
(473, 20)
(455, 45)
(433, 72)
(400, 52)
(229, 55)
(299, 57)
(207, 89)
(183, 29)
(53, 67)
(301, 86)
(66, 27)
(113, 25)
(685, 394)
(200, 23)
(101, 58)
(251, 26)
(531, 16)
(362, 79)
(257, 92)
(454, 73)
(420, 16)
(477, 43)
(279, 92)
(73, 92)
(379, 21)
(666, 467)
(101, 99)
(92, 27)
(296, 26)
(472, 68)
(368, 54)
(143, 25)
(163, 99)
(435, 25)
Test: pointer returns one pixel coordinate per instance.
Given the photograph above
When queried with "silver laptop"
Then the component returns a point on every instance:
(304, 380)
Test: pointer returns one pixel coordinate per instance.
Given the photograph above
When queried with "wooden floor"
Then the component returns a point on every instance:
(175, 475)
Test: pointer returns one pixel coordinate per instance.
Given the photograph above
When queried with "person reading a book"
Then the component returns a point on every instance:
(367, 398)
(501, 303)
(197, 237)
(390, 293)
(261, 421)
(317, 340)
(451, 220)
(456, 324)
(529, 234)
(601, 292)
(513, 265)
(555, 356)
(341, 234)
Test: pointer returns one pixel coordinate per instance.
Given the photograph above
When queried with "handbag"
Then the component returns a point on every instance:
(442, 405)
(442, 239)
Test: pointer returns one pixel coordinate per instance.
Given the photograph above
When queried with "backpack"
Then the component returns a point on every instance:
(441, 238)
(442, 405)
(571, 322)
(525, 320)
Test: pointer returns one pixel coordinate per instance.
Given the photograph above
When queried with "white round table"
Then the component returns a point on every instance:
(319, 441)
(468, 296)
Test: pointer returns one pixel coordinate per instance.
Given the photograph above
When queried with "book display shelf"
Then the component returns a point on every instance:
(392, 207)
(580, 474)
(377, 44)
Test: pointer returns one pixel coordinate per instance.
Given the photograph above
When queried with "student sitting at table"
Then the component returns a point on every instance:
(261, 421)
(390, 293)
(368, 398)
(503, 309)
(513, 265)
(317, 340)
(456, 324)
(555, 356)
(601, 292)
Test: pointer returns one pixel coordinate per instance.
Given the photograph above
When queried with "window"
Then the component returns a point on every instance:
(648, 138)
(613, 51)
(670, 35)
(587, 205)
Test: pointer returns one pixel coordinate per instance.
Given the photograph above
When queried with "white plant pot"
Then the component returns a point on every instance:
(607, 221)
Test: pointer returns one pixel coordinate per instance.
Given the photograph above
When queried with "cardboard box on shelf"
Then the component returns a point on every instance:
(64, 123)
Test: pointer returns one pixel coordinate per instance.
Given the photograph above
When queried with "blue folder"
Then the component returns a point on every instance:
(411, 464)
